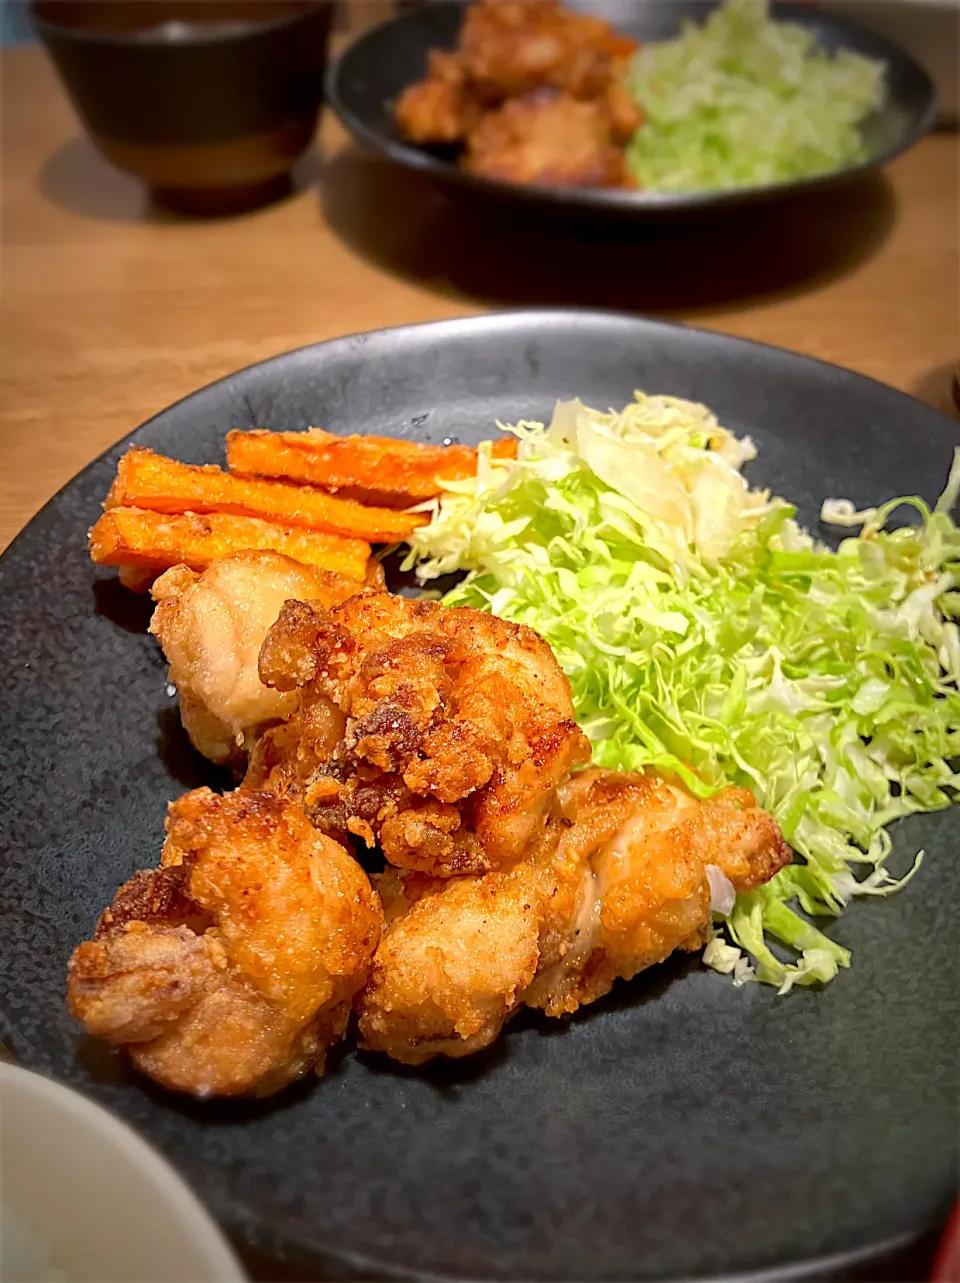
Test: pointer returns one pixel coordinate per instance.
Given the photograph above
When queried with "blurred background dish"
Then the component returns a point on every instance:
(929, 30)
(85, 1199)
(365, 82)
(209, 102)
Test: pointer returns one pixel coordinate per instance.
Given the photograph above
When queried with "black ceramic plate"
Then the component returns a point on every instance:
(682, 1128)
(363, 85)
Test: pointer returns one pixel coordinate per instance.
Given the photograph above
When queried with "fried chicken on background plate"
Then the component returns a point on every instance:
(619, 882)
(230, 969)
(443, 107)
(547, 138)
(534, 90)
(510, 47)
(451, 729)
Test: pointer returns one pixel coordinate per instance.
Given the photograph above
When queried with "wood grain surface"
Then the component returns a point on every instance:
(112, 309)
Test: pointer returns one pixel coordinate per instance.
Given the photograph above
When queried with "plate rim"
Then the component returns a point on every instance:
(241, 1219)
(814, 1269)
(639, 204)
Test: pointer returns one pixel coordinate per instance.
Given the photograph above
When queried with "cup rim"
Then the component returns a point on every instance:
(249, 30)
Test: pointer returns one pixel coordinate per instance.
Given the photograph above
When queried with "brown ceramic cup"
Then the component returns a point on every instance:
(209, 102)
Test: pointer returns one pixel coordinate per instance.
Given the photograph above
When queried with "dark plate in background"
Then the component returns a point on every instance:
(364, 83)
(681, 1128)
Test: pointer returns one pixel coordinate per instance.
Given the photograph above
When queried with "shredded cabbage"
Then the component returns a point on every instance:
(743, 101)
(704, 633)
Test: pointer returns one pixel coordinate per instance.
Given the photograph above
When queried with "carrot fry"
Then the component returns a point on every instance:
(381, 470)
(148, 480)
(135, 537)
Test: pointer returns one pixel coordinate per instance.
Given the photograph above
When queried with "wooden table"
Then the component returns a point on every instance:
(111, 310)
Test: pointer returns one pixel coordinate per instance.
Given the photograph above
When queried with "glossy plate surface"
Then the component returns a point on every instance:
(365, 82)
(679, 1129)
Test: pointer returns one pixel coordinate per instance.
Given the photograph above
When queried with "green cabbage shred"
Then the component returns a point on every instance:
(743, 101)
(706, 634)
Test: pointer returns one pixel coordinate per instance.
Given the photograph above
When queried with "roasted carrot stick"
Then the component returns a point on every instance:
(381, 470)
(148, 480)
(141, 578)
(154, 540)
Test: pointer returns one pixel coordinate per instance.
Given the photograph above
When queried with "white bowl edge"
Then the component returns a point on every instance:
(102, 1202)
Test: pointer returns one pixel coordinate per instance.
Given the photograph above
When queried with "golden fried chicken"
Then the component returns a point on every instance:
(443, 107)
(549, 139)
(510, 47)
(621, 113)
(535, 90)
(211, 627)
(455, 954)
(645, 847)
(619, 881)
(458, 729)
(231, 968)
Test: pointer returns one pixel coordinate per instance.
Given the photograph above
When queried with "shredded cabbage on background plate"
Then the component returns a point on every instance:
(705, 634)
(743, 101)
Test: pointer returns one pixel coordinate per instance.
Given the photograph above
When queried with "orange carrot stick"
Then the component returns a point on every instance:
(136, 537)
(381, 470)
(148, 480)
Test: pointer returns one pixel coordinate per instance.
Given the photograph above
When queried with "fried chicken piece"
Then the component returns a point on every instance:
(459, 727)
(548, 139)
(231, 968)
(211, 627)
(517, 90)
(510, 47)
(618, 882)
(455, 954)
(622, 114)
(645, 846)
(458, 954)
(443, 107)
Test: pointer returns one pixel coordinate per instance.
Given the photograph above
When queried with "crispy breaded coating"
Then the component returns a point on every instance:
(459, 727)
(230, 969)
(211, 627)
(455, 955)
(619, 881)
(645, 846)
